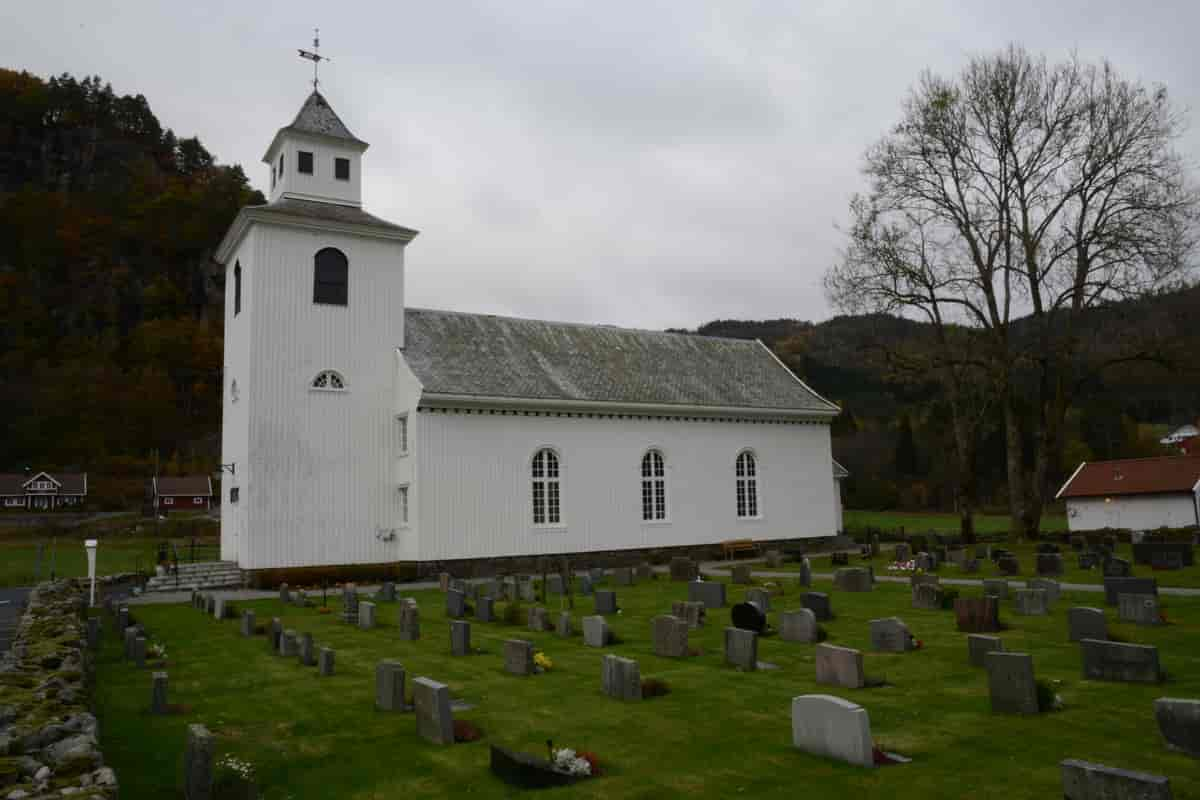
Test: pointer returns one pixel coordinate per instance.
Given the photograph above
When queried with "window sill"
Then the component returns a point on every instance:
(328, 391)
(655, 522)
(750, 519)
(555, 528)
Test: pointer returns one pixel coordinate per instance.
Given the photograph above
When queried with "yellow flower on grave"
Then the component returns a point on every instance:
(542, 660)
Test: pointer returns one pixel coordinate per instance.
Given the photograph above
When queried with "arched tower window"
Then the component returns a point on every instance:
(747, 485)
(329, 380)
(237, 288)
(331, 277)
(547, 490)
(654, 486)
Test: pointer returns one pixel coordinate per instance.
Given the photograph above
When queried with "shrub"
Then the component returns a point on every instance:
(513, 613)
(948, 598)
(1047, 698)
(654, 687)
(465, 731)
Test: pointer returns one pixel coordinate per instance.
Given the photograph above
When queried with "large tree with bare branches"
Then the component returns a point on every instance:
(1007, 202)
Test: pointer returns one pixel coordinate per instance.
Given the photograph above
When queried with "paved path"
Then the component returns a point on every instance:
(12, 605)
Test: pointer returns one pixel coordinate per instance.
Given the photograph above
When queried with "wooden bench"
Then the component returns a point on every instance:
(735, 546)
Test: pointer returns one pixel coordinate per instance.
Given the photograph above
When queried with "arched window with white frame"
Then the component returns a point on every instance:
(654, 486)
(746, 471)
(547, 488)
(328, 380)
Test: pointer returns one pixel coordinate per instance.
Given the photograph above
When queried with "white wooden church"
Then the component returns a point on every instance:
(359, 431)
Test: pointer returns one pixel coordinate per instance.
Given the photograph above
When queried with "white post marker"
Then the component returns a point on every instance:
(90, 544)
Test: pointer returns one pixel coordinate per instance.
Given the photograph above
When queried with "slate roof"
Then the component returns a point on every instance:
(183, 485)
(13, 483)
(487, 356)
(317, 118)
(328, 212)
(1163, 475)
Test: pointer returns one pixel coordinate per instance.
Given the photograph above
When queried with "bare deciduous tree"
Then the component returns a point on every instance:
(1006, 202)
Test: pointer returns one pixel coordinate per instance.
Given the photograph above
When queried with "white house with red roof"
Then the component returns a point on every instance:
(1134, 493)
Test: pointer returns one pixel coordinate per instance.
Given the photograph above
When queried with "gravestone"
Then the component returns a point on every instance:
(387, 592)
(518, 657)
(210, 604)
(93, 633)
(1167, 560)
(460, 637)
(839, 559)
(456, 604)
(285, 597)
(1113, 587)
(924, 562)
(198, 760)
(740, 574)
(1118, 661)
(774, 559)
(526, 590)
(977, 614)
(902, 552)
(1053, 589)
(350, 604)
(1117, 568)
(805, 572)
(410, 620)
(620, 678)
(970, 566)
(956, 555)
(798, 626)
(389, 686)
(1179, 723)
(996, 587)
(683, 569)
(760, 597)
(1086, 623)
(307, 650)
(595, 631)
(562, 628)
(831, 727)
(485, 609)
(222, 608)
(300, 599)
(325, 661)
(585, 585)
(644, 571)
(122, 618)
(978, 646)
(1010, 683)
(605, 601)
(366, 615)
(852, 579)
(1049, 564)
(139, 652)
(1008, 565)
(158, 693)
(248, 623)
(670, 636)
(711, 593)
(1030, 602)
(1088, 559)
(840, 666)
(554, 584)
(927, 596)
(890, 635)
(741, 649)
(1082, 780)
(431, 701)
(692, 611)
(623, 576)
(1078, 543)
(539, 619)
(916, 580)
(274, 634)
(984, 552)
(749, 617)
(818, 603)
(596, 574)
(287, 644)
(444, 581)
(1170, 555)
(1140, 609)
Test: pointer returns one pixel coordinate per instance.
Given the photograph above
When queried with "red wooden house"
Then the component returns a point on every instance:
(182, 493)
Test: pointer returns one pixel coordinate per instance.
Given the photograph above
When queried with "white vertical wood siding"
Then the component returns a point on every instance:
(235, 424)
(1138, 512)
(316, 483)
(474, 483)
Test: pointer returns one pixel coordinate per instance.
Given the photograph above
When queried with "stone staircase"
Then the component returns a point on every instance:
(201, 575)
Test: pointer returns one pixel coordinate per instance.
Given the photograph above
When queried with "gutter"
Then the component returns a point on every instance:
(607, 407)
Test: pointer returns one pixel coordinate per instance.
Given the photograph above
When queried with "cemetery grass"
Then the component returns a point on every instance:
(856, 522)
(719, 733)
(19, 558)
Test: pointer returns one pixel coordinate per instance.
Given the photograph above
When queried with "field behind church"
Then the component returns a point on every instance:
(720, 733)
(856, 522)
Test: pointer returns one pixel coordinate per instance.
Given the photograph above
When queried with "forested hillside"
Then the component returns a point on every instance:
(111, 334)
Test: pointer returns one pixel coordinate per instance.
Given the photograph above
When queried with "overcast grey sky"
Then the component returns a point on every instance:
(649, 164)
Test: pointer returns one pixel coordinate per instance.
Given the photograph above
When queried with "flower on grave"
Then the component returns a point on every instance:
(918, 644)
(240, 767)
(565, 760)
(542, 660)
(156, 650)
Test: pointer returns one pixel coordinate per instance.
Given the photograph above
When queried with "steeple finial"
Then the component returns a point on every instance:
(315, 56)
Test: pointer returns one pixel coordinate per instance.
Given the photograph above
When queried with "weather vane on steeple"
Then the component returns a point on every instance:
(315, 56)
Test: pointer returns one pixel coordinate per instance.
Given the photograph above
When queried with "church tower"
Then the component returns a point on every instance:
(314, 313)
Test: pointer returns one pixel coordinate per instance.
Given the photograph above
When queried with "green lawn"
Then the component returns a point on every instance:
(19, 559)
(919, 522)
(720, 733)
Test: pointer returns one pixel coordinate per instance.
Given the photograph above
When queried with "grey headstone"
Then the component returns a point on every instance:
(596, 574)
(325, 661)
(798, 626)
(1114, 587)
(901, 552)
(284, 596)
(623, 576)
(366, 615)
(1053, 589)
(1117, 568)
(539, 619)
(485, 609)
(644, 571)
(595, 631)
(853, 579)
(526, 590)
(586, 586)
(805, 572)
(1008, 565)
(605, 601)
(287, 644)
(139, 652)
(683, 569)
(1049, 564)
(926, 579)
(979, 645)
(997, 587)
(93, 633)
(122, 618)
(389, 686)
(818, 603)
(248, 624)
(970, 565)
(307, 651)
(198, 759)
(741, 649)
(833, 728)
(693, 611)
(621, 678)
(210, 604)
(222, 607)
(456, 604)
(741, 574)
(1118, 661)
(518, 657)
(274, 634)
(1086, 623)
(1088, 559)
(158, 693)
(410, 620)
(1085, 781)
(670, 636)
(562, 628)
(1011, 683)
(460, 637)
(890, 635)
(554, 584)
(131, 633)
(774, 559)
(431, 701)
(760, 597)
(1030, 602)
(1140, 609)
(711, 593)
(387, 592)
(840, 666)
(1179, 723)
(927, 596)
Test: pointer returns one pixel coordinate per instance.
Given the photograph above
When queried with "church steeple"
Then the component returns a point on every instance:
(316, 157)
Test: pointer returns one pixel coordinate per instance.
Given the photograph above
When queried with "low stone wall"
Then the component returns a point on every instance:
(48, 736)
